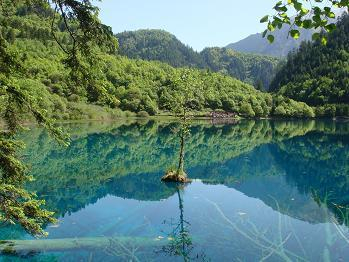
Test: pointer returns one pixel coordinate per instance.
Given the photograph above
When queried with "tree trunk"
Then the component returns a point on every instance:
(23, 246)
(183, 131)
(181, 155)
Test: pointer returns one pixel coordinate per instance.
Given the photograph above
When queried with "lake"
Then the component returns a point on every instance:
(262, 190)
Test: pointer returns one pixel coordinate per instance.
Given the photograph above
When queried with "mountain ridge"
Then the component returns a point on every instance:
(160, 45)
(283, 43)
(256, 44)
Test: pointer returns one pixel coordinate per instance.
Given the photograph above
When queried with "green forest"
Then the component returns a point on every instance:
(125, 87)
(129, 86)
(318, 74)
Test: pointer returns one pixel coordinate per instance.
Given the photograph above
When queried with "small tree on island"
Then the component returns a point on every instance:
(181, 105)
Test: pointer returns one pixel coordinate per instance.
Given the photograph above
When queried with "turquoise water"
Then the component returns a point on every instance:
(261, 190)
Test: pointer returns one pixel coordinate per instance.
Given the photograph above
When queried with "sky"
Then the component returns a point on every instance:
(197, 23)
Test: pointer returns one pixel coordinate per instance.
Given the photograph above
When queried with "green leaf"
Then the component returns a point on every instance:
(270, 38)
(307, 23)
(271, 27)
(278, 3)
(304, 11)
(295, 33)
(317, 19)
(323, 22)
(330, 27)
(265, 33)
(297, 6)
(324, 40)
(281, 8)
(277, 19)
(315, 36)
(327, 9)
(299, 23)
(317, 11)
(264, 19)
(331, 15)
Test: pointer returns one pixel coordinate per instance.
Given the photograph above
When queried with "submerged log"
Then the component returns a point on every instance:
(27, 246)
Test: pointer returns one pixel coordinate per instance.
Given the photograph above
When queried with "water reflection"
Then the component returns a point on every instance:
(180, 240)
(269, 190)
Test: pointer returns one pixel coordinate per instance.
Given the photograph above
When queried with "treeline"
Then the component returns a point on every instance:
(122, 86)
(160, 45)
(319, 74)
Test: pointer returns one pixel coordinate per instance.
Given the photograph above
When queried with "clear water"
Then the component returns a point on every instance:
(262, 190)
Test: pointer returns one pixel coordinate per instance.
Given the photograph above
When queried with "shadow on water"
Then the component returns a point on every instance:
(297, 168)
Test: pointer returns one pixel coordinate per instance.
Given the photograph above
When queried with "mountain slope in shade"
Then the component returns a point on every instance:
(282, 45)
(154, 44)
(257, 70)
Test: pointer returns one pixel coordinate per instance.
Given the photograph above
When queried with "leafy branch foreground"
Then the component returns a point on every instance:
(304, 14)
(17, 205)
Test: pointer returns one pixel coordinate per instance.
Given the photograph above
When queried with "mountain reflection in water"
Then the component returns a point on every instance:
(272, 190)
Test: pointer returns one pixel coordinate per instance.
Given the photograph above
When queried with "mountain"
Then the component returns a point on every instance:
(162, 46)
(281, 46)
(318, 74)
(158, 45)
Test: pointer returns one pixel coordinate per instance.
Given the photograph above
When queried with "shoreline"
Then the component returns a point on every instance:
(214, 120)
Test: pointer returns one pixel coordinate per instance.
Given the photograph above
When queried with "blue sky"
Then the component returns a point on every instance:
(198, 23)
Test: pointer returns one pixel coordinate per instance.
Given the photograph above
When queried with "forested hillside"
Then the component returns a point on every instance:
(162, 46)
(252, 69)
(121, 86)
(158, 45)
(319, 74)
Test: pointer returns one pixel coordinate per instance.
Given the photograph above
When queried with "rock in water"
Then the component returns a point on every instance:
(173, 176)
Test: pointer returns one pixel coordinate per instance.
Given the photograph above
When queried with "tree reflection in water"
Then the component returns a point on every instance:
(181, 242)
